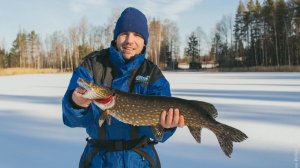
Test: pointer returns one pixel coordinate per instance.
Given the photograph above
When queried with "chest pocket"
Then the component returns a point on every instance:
(143, 77)
(141, 84)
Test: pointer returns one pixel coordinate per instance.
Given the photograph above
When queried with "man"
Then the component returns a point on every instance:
(122, 66)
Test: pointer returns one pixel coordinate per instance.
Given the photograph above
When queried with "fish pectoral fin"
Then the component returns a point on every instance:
(158, 132)
(108, 119)
(212, 111)
(104, 116)
(196, 132)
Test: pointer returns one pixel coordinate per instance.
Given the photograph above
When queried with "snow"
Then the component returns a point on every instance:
(265, 106)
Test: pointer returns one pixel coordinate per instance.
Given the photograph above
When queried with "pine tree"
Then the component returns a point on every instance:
(281, 30)
(295, 26)
(270, 40)
(258, 33)
(17, 54)
(2, 58)
(238, 31)
(250, 31)
(192, 49)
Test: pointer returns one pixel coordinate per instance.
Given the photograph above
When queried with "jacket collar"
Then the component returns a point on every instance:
(120, 65)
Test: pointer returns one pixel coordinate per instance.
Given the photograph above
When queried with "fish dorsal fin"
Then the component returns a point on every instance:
(158, 132)
(212, 111)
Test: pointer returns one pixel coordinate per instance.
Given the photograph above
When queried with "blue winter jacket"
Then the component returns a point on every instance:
(107, 67)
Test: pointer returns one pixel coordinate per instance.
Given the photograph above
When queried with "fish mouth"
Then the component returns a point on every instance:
(104, 100)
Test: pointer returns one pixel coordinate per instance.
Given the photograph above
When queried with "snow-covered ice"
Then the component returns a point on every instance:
(266, 106)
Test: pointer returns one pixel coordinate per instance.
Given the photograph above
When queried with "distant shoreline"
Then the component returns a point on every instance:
(16, 71)
(285, 68)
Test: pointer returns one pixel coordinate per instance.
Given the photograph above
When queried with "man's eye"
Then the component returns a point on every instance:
(124, 34)
(138, 35)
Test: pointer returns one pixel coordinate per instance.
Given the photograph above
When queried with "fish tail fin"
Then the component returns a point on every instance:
(196, 132)
(226, 135)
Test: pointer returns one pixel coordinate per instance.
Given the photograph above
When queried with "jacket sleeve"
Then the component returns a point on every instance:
(75, 116)
(159, 87)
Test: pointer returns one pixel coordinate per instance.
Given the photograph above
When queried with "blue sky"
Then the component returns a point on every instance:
(47, 16)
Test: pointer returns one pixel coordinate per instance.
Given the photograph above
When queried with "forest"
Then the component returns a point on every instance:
(263, 34)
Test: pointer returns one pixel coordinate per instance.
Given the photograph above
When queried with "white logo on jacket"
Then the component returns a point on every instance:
(142, 79)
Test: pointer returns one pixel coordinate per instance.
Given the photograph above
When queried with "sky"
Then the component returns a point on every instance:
(265, 106)
(48, 16)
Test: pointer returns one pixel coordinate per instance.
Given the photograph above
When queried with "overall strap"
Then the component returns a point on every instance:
(84, 163)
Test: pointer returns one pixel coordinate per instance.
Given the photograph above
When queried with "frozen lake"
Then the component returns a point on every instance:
(263, 105)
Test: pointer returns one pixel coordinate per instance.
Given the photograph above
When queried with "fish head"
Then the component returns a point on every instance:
(84, 84)
(94, 91)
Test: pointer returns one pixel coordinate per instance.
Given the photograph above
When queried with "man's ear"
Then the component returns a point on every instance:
(144, 49)
(114, 43)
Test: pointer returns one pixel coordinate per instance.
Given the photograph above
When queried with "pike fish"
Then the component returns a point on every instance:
(145, 110)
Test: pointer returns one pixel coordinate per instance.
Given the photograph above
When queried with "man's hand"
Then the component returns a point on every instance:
(171, 119)
(79, 99)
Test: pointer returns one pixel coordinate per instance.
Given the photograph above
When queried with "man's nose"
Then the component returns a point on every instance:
(130, 38)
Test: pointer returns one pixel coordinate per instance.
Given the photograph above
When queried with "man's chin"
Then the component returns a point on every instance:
(127, 56)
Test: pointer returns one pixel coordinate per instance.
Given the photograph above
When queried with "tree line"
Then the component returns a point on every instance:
(64, 50)
(266, 34)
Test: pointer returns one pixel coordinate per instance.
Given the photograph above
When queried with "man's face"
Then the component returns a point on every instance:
(130, 44)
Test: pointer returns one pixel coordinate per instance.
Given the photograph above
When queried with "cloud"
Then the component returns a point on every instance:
(83, 5)
(156, 8)
(168, 8)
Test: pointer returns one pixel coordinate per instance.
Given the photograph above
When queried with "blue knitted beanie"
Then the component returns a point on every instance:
(132, 20)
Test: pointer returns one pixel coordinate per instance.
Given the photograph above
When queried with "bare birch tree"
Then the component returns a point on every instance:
(154, 41)
(74, 43)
